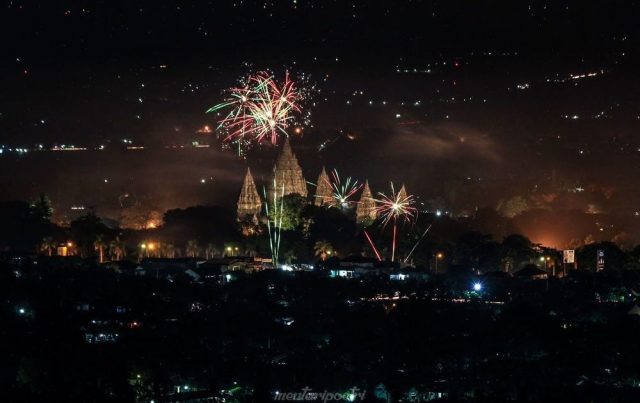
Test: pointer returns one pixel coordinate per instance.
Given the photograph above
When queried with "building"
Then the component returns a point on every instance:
(402, 194)
(366, 209)
(323, 189)
(249, 202)
(287, 177)
(531, 272)
(358, 267)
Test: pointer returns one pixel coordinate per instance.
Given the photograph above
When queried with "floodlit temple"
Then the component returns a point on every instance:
(287, 175)
(366, 209)
(288, 179)
(323, 189)
(249, 202)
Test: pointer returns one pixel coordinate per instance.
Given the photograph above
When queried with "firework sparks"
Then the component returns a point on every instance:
(398, 205)
(260, 109)
(375, 250)
(274, 221)
(342, 192)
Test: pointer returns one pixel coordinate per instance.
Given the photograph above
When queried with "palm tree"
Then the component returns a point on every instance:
(117, 249)
(323, 249)
(192, 248)
(210, 251)
(99, 245)
(42, 207)
(48, 245)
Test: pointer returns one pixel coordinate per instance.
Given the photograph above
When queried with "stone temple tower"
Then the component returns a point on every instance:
(402, 194)
(366, 209)
(287, 173)
(323, 189)
(249, 202)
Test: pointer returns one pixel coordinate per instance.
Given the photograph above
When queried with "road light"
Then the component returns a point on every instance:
(477, 286)
(439, 256)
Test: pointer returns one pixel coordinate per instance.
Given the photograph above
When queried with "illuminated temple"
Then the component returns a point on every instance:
(249, 202)
(288, 179)
(287, 175)
(366, 209)
(323, 189)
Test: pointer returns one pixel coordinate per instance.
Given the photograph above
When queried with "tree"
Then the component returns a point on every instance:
(192, 248)
(210, 224)
(292, 206)
(20, 226)
(99, 245)
(476, 250)
(513, 206)
(48, 245)
(117, 249)
(322, 249)
(85, 230)
(290, 256)
(210, 251)
(169, 250)
(516, 249)
(42, 208)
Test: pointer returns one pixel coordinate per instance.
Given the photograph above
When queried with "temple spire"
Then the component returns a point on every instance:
(249, 202)
(287, 173)
(366, 209)
(402, 194)
(323, 189)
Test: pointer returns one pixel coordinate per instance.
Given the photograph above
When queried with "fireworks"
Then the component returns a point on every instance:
(274, 221)
(342, 193)
(395, 206)
(260, 109)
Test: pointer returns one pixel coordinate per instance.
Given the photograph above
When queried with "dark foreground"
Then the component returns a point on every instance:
(88, 333)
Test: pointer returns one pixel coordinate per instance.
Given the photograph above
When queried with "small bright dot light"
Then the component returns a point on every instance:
(477, 286)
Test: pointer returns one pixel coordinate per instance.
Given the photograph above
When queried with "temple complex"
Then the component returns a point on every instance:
(289, 179)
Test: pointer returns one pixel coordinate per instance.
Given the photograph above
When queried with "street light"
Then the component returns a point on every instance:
(439, 256)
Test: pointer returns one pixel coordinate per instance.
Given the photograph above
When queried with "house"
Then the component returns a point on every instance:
(359, 266)
(531, 272)
(408, 274)
(165, 268)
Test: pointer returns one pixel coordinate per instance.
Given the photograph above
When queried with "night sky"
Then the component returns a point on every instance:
(468, 103)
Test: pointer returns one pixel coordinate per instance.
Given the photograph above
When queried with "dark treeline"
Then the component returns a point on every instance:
(308, 231)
